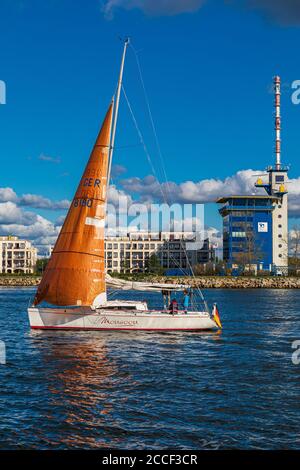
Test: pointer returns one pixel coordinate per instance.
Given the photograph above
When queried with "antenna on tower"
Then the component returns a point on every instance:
(277, 83)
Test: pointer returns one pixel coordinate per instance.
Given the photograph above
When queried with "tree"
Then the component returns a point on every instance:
(250, 253)
(207, 269)
(125, 265)
(294, 260)
(153, 265)
(41, 265)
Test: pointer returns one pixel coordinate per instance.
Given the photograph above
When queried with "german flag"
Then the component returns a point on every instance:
(216, 316)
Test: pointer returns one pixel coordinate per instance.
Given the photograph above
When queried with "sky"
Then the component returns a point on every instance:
(207, 68)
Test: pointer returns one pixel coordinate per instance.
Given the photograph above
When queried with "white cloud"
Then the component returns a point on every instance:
(149, 190)
(7, 194)
(32, 200)
(117, 170)
(40, 202)
(60, 220)
(15, 221)
(293, 188)
(154, 7)
(10, 213)
(215, 236)
(284, 12)
(202, 191)
(47, 158)
(118, 197)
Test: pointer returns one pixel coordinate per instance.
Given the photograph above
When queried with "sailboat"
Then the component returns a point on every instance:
(74, 282)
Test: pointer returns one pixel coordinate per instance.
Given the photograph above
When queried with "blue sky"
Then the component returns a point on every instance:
(207, 72)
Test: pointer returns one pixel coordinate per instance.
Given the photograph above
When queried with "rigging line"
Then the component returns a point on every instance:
(127, 146)
(153, 126)
(154, 172)
(142, 141)
(151, 117)
(159, 151)
(197, 288)
(194, 277)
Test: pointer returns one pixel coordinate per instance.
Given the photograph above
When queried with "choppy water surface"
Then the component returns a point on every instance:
(237, 389)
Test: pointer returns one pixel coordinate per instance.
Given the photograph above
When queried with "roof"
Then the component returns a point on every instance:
(250, 196)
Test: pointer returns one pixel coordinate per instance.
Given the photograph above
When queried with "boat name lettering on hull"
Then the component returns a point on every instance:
(112, 322)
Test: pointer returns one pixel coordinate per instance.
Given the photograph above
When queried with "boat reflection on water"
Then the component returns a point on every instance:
(93, 380)
(82, 388)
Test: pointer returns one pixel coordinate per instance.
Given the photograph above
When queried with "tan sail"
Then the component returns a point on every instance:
(75, 274)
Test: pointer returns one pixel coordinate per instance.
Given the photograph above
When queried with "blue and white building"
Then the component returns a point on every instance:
(258, 224)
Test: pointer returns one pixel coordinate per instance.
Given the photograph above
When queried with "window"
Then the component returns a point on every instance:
(279, 246)
(280, 236)
(279, 206)
(279, 178)
(279, 216)
(238, 234)
(279, 226)
(280, 256)
(261, 202)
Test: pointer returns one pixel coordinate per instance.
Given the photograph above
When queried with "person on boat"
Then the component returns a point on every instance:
(173, 306)
(186, 301)
(166, 299)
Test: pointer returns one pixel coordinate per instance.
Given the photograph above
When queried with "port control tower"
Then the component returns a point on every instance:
(260, 220)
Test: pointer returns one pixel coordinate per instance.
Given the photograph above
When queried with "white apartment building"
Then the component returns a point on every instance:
(17, 256)
(175, 250)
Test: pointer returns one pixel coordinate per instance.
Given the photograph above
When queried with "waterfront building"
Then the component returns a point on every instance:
(17, 256)
(207, 253)
(254, 232)
(49, 252)
(255, 227)
(174, 251)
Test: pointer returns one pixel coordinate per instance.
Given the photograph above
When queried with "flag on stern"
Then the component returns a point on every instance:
(216, 316)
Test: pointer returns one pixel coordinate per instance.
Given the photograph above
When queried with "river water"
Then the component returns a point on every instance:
(237, 389)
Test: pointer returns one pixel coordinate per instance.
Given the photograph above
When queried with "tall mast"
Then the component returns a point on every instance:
(277, 122)
(116, 110)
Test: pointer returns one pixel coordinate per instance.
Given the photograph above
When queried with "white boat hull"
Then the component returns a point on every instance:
(88, 319)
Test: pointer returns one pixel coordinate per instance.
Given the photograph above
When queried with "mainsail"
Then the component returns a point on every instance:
(123, 284)
(75, 273)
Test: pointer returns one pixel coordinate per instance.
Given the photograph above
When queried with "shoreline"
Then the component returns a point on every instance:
(19, 281)
(204, 282)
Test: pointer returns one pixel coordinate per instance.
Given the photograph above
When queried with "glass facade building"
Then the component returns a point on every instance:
(247, 230)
